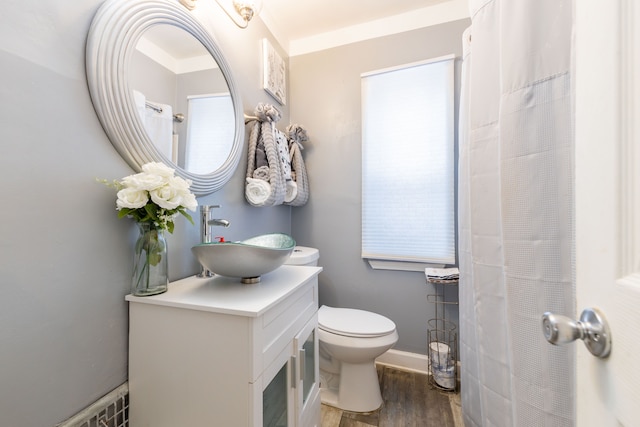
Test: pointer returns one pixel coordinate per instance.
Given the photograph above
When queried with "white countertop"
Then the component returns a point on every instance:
(228, 295)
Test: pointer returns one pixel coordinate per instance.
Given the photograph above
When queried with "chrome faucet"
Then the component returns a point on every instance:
(206, 222)
(219, 222)
(205, 230)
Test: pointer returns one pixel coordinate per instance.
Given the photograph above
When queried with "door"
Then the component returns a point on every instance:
(608, 205)
(277, 397)
(308, 375)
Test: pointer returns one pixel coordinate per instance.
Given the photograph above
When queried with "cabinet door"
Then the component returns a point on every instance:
(307, 375)
(277, 393)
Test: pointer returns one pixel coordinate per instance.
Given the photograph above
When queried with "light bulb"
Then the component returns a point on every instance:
(247, 8)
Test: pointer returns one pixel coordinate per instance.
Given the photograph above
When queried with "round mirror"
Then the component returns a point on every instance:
(164, 92)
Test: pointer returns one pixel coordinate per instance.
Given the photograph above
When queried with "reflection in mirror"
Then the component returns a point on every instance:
(182, 99)
(209, 131)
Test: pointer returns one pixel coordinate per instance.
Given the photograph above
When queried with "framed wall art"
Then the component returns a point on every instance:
(274, 73)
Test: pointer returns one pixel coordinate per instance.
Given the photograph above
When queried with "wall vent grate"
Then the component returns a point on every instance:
(111, 410)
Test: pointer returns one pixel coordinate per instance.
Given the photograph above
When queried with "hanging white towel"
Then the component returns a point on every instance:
(140, 100)
(175, 147)
(159, 126)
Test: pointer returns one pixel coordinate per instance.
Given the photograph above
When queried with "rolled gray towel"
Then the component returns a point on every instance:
(262, 173)
(261, 155)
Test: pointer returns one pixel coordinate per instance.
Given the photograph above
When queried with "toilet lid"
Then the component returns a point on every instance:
(354, 323)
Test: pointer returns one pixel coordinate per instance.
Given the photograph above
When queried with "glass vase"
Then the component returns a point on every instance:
(150, 268)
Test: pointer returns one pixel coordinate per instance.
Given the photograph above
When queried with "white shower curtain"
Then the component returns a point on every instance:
(516, 232)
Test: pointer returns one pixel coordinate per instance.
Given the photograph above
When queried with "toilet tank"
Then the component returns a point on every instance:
(303, 255)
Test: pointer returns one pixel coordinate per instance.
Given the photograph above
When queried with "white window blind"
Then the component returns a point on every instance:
(208, 131)
(408, 163)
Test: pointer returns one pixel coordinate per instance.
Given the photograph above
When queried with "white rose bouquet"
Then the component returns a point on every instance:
(154, 195)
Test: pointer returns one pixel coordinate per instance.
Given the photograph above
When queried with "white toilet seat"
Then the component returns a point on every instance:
(358, 343)
(355, 323)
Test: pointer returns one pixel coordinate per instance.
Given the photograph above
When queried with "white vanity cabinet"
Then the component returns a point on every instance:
(215, 352)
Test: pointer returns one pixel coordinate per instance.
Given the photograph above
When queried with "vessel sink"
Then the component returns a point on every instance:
(248, 259)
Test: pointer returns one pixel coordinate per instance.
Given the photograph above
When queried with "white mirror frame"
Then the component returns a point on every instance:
(114, 33)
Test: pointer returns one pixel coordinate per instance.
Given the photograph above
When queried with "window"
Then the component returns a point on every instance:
(208, 131)
(408, 165)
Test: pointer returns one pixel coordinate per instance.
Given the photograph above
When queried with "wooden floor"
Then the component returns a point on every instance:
(409, 400)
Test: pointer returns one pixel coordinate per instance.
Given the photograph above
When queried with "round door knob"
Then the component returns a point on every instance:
(560, 329)
(592, 328)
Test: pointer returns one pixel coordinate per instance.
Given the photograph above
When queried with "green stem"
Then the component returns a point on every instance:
(144, 269)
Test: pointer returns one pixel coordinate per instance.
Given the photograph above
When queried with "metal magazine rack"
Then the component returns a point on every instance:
(442, 339)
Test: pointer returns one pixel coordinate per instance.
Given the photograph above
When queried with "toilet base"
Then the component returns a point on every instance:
(358, 391)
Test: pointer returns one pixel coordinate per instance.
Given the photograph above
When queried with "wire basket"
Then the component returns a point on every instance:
(443, 354)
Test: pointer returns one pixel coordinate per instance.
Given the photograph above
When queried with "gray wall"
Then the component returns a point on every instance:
(157, 83)
(66, 259)
(325, 99)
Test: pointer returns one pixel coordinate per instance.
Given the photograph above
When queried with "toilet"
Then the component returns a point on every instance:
(349, 342)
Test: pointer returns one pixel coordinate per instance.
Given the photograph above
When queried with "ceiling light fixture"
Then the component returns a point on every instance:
(244, 9)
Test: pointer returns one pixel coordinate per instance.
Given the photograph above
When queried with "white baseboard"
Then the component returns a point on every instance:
(413, 362)
(405, 360)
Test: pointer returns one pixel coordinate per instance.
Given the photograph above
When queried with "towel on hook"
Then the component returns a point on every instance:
(159, 126)
(263, 131)
(296, 136)
(158, 123)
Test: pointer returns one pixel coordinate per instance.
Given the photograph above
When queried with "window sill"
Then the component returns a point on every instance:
(379, 264)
